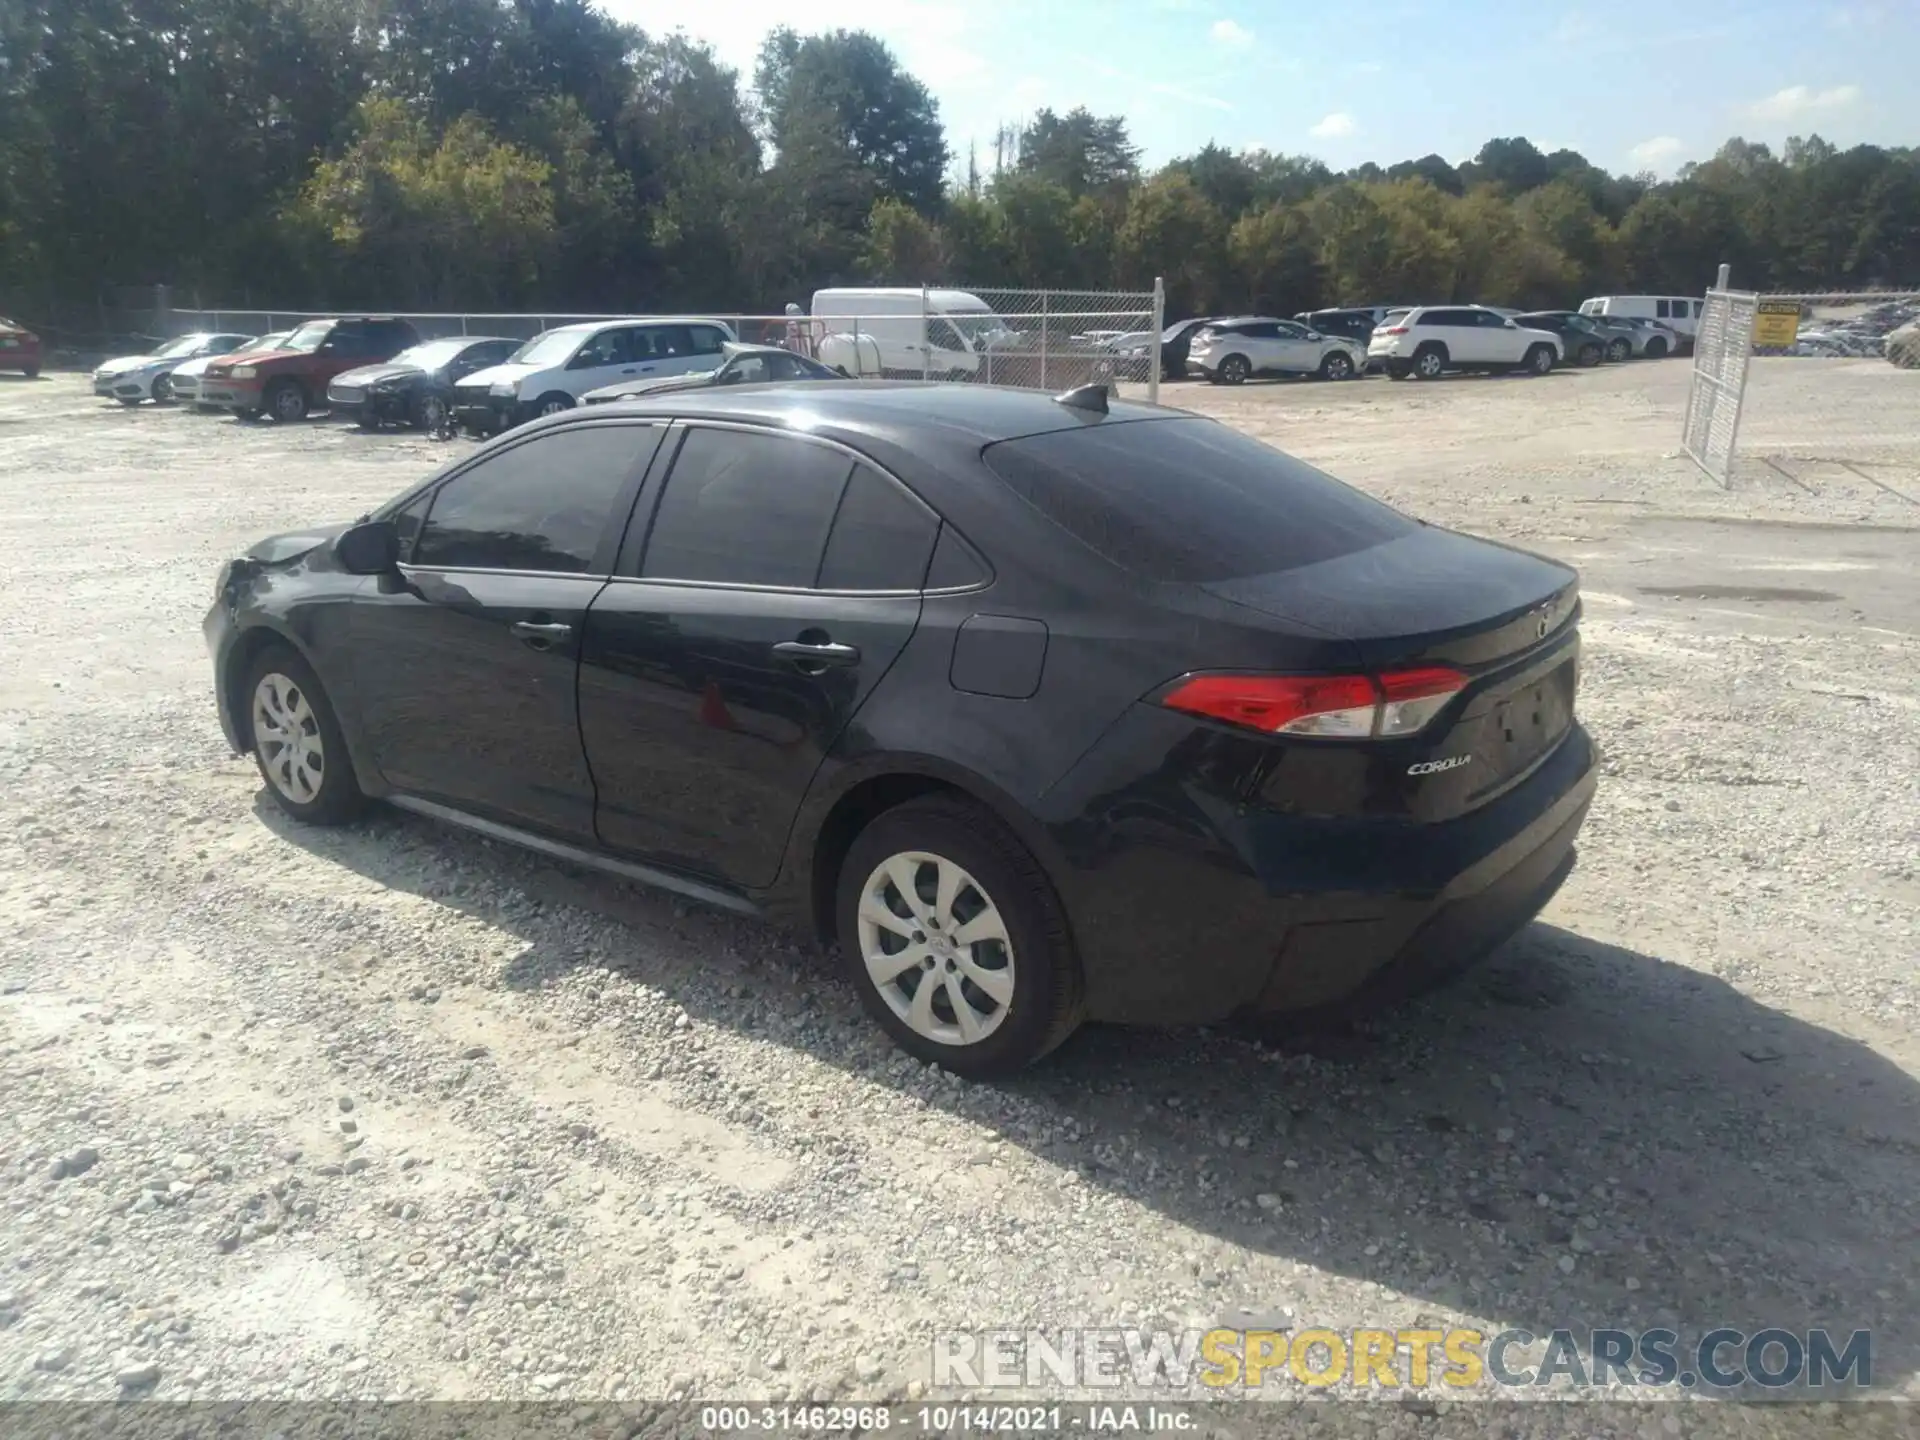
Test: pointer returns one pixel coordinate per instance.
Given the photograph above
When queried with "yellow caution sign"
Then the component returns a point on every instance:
(1776, 324)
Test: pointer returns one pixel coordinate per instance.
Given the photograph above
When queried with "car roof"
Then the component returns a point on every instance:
(902, 410)
(748, 347)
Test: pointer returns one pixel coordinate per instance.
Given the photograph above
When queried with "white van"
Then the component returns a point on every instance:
(906, 332)
(1674, 310)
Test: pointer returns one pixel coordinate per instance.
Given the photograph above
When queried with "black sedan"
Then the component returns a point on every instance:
(415, 387)
(1581, 341)
(740, 365)
(1037, 710)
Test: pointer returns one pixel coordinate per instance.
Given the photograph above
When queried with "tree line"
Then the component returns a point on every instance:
(449, 154)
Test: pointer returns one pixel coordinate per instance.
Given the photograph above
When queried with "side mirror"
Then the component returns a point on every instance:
(370, 548)
(1313, 335)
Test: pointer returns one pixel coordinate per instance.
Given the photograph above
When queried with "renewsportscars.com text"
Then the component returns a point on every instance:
(1366, 1359)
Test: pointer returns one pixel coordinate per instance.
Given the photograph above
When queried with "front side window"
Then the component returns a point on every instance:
(1287, 330)
(746, 508)
(606, 348)
(544, 505)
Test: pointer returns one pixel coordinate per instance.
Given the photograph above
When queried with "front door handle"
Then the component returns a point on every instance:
(810, 656)
(540, 636)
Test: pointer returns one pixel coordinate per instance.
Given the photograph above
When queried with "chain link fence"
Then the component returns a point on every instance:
(1755, 413)
(1034, 339)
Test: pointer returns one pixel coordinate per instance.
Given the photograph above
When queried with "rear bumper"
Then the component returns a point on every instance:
(1228, 910)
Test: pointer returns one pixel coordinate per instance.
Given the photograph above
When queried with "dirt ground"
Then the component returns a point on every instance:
(394, 1111)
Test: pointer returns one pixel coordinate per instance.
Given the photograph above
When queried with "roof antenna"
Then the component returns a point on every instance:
(1092, 398)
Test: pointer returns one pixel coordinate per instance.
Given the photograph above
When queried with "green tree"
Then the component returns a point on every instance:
(903, 247)
(1172, 231)
(443, 221)
(1079, 151)
(1276, 258)
(849, 84)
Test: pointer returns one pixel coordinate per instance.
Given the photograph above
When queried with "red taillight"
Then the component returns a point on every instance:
(1391, 330)
(1350, 707)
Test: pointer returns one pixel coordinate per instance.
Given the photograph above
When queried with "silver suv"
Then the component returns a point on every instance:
(1227, 352)
(1429, 340)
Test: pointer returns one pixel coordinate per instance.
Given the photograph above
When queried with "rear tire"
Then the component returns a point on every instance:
(296, 740)
(1234, 370)
(1656, 349)
(1429, 362)
(1590, 356)
(966, 871)
(32, 371)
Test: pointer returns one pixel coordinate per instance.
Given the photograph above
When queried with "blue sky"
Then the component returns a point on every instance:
(1633, 84)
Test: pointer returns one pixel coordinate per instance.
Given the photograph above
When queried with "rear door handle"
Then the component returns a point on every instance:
(805, 655)
(538, 635)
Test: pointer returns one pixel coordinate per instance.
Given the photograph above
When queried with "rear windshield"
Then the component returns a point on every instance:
(1190, 501)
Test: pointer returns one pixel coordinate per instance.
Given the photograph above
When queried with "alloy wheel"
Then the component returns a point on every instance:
(936, 948)
(554, 407)
(433, 412)
(286, 734)
(162, 389)
(1338, 366)
(1429, 365)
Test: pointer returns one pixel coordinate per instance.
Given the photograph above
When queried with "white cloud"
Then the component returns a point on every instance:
(1230, 35)
(1189, 97)
(1657, 153)
(1334, 127)
(1797, 101)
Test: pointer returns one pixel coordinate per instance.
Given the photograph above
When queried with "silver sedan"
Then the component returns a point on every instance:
(133, 378)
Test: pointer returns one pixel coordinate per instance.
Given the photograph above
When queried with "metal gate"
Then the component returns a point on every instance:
(1722, 348)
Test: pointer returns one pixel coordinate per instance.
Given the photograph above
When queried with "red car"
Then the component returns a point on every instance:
(19, 348)
(289, 381)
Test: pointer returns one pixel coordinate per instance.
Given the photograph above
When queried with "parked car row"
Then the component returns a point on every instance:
(378, 371)
(1402, 341)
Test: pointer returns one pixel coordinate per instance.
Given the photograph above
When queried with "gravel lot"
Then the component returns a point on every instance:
(394, 1111)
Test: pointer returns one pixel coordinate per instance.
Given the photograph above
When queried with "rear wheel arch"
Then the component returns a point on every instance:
(819, 853)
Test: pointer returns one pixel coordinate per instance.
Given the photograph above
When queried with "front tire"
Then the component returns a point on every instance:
(1539, 360)
(1590, 356)
(286, 401)
(1337, 366)
(430, 414)
(1656, 349)
(1619, 351)
(1234, 370)
(32, 371)
(296, 740)
(552, 403)
(955, 939)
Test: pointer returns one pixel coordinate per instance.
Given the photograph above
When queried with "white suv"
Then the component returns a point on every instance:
(1431, 339)
(555, 368)
(1227, 352)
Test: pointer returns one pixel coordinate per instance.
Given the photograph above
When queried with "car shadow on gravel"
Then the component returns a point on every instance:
(1574, 1135)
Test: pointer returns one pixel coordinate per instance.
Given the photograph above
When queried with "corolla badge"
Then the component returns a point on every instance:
(1434, 767)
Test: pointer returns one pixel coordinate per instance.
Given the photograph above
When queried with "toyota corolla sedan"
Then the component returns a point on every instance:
(1037, 710)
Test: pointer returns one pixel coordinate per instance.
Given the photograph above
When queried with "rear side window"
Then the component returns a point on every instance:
(1448, 318)
(882, 538)
(544, 505)
(1190, 500)
(706, 340)
(746, 509)
(1660, 309)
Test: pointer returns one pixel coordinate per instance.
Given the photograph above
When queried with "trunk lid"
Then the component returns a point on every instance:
(1506, 619)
